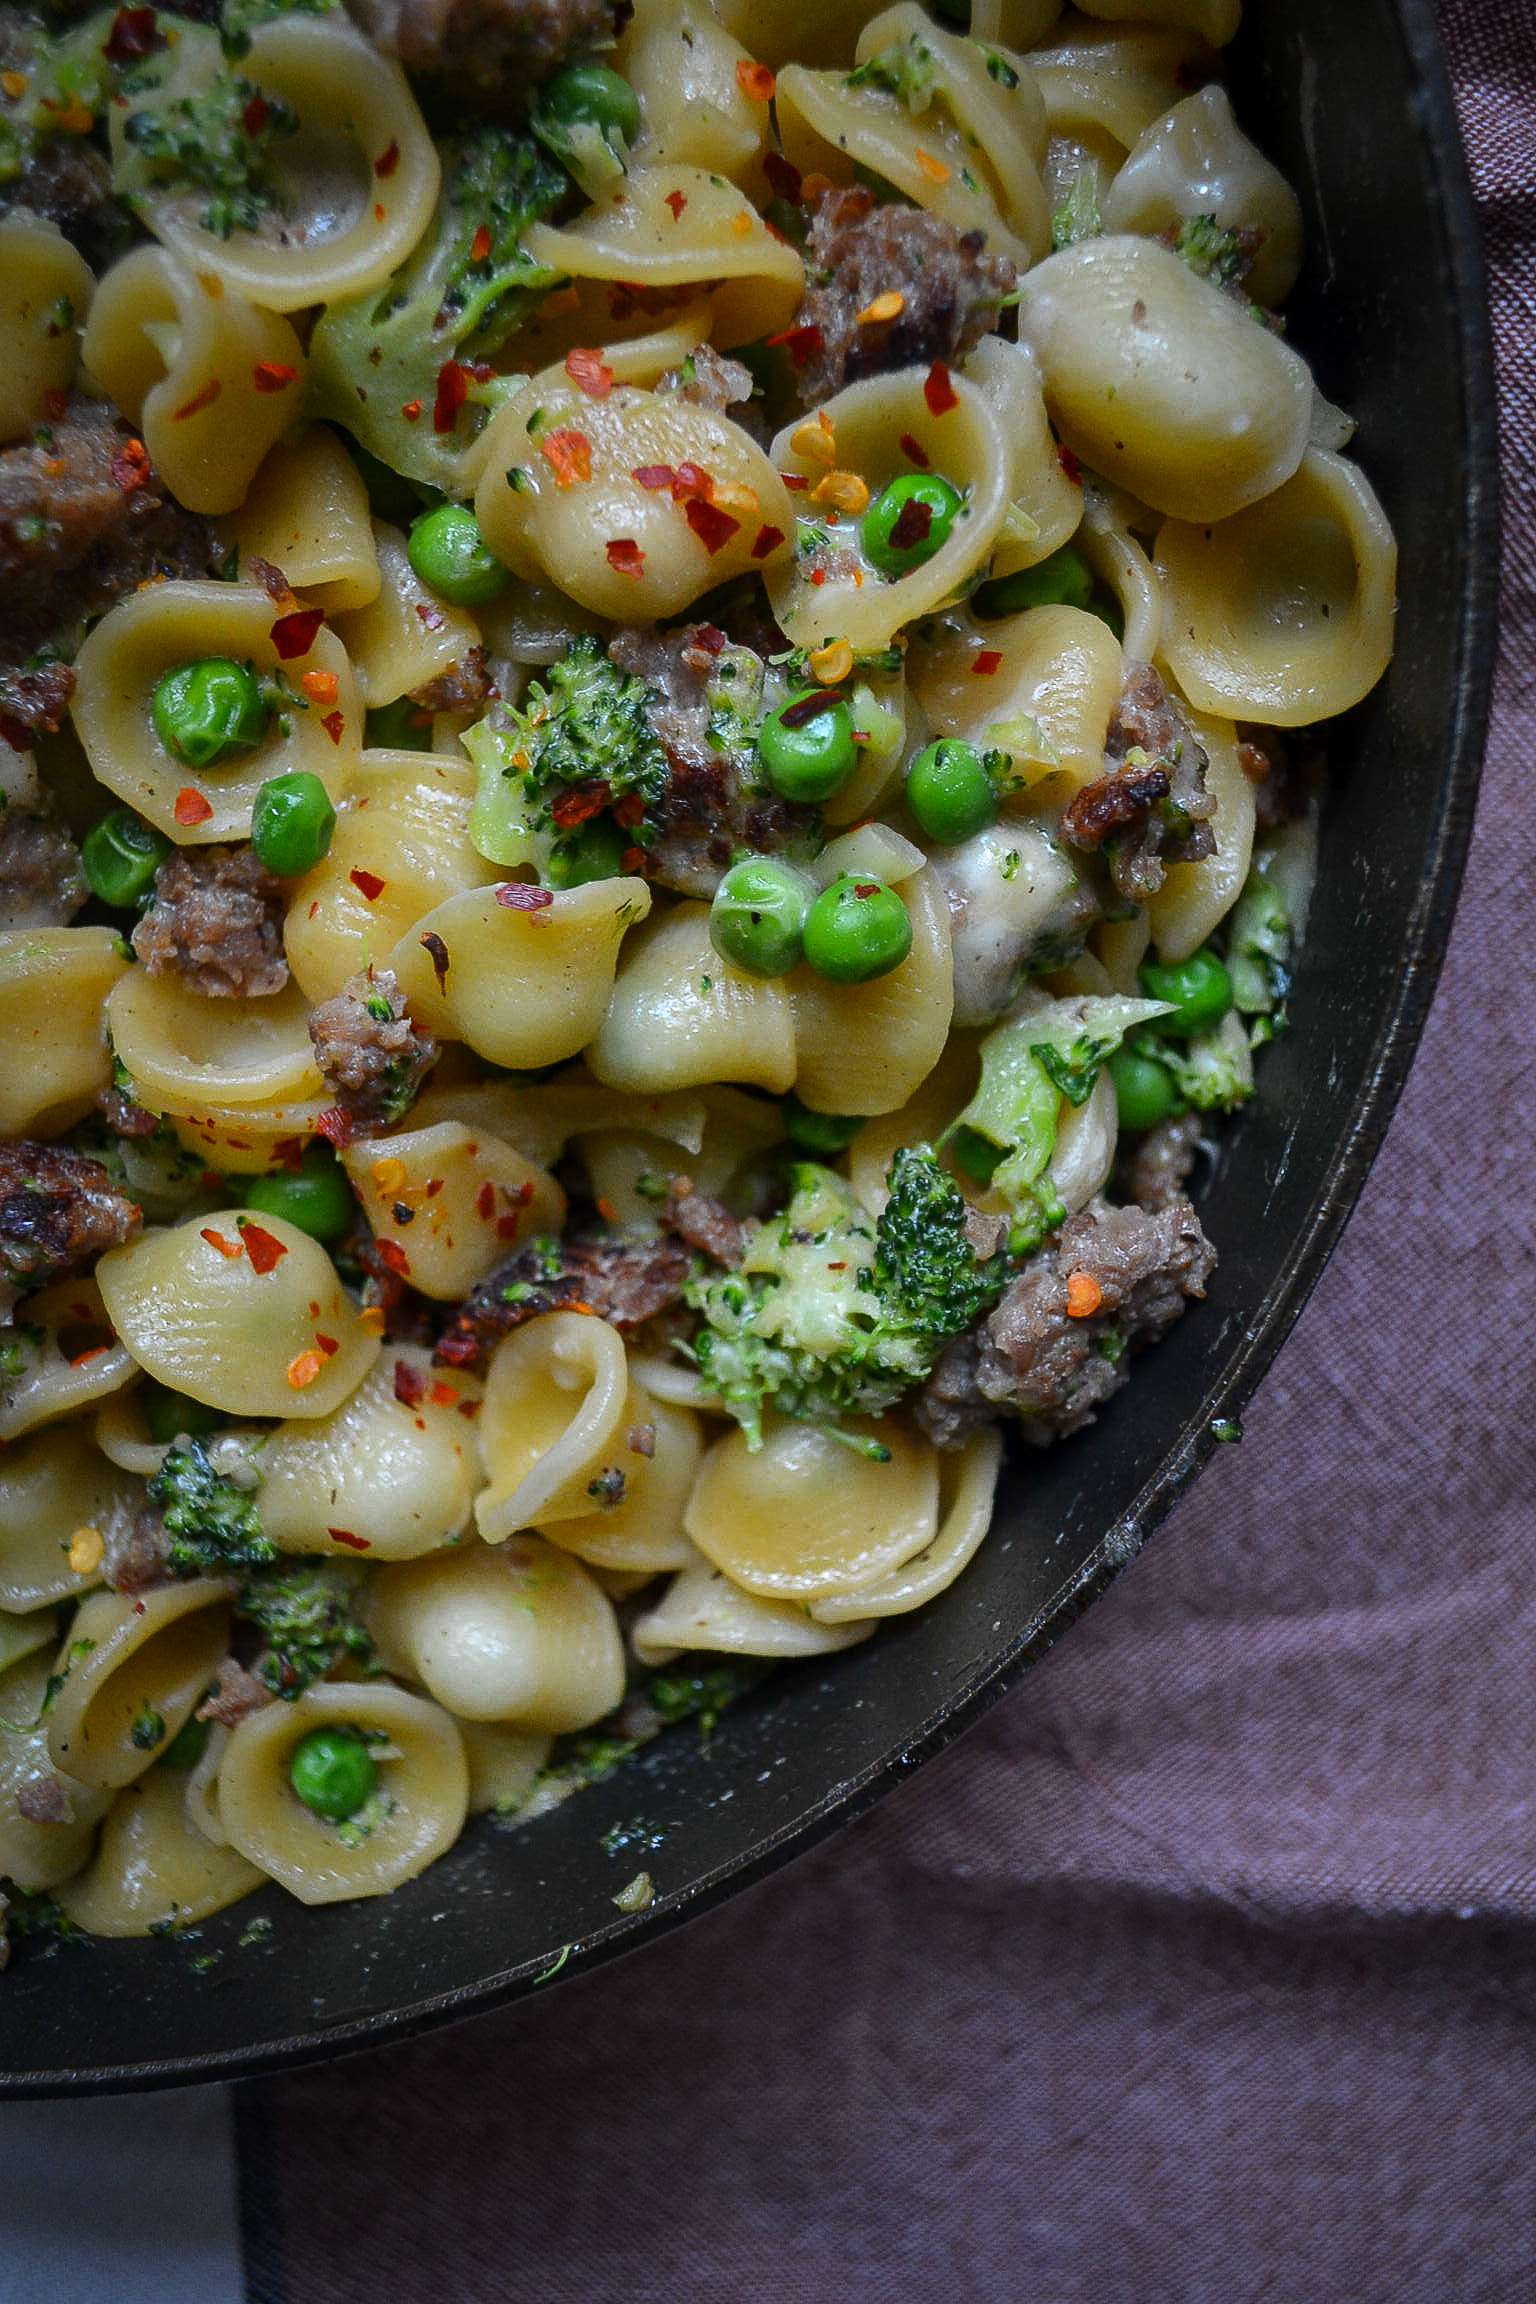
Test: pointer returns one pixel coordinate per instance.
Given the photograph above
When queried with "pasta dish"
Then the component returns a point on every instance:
(657, 779)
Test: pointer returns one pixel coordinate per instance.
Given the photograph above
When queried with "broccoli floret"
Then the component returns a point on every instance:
(833, 1315)
(905, 69)
(581, 745)
(399, 367)
(218, 139)
(1212, 1070)
(1213, 250)
(696, 1689)
(307, 1611)
(238, 19)
(211, 1519)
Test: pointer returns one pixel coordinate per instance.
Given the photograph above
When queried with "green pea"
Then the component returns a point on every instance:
(757, 919)
(950, 792)
(806, 747)
(1144, 1090)
(594, 851)
(292, 823)
(1064, 579)
(315, 1196)
(333, 1772)
(1199, 988)
(166, 1414)
(447, 551)
(186, 1747)
(908, 521)
(204, 711)
(588, 96)
(857, 930)
(403, 726)
(120, 857)
(823, 1134)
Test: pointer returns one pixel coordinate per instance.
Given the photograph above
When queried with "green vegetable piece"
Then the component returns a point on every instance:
(120, 857)
(806, 747)
(205, 710)
(1198, 990)
(1211, 249)
(307, 1610)
(594, 851)
(1064, 579)
(1144, 1090)
(171, 1415)
(979, 1157)
(950, 792)
(448, 552)
(315, 1196)
(1211, 1070)
(583, 106)
(292, 823)
(702, 1692)
(218, 140)
(333, 1772)
(822, 1134)
(1259, 938)
(909, 520)
(212, 1522)
(399, 727)
(924, 1264)
(757, 919)
(186, 1747)
(857, 930)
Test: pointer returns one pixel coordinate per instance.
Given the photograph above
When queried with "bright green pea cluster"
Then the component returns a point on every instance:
(205, 710)
(292, 822)
(909, 521)
(449, 554)
(766, 917)
(822, 1134)
(1199, 992)
(333, 1772)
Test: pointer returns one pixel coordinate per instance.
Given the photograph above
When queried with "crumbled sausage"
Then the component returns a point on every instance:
(704, 1222)
(1150, 808)
(950, 291)
(40, 879)
(464, 687)
(216, 922)
(236, 1695)
(486, 41)
(45, 1800)
(33, 701)
(58, 1211)
(626, 1282)
(372, 1058)
(1033, 1357)
(138, 1553)
(1160, 1166)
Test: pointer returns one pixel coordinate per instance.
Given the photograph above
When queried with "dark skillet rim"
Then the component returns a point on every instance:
(1423, 950)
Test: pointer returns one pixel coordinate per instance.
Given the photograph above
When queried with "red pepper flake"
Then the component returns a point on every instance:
(480, 246)
(386, 164)
(288, 1152)
(431, 616)
(319, 687)
(230, 1250)
(506, 1227)
(452, 392)
(55, 404)
(1069, 465)
(335, 726)
(713, 528)
(191, 808)
(443, 1395)
(393, 1258)
(411, 411)
(911, 525)
(625, 557)
(130, 466)
(519, 896)
(134, 35)
(915, 452)
(754, 80)
(579, 807)
(818, 575)
(799, 343)
(986, 661)
(632, 860)
(694, 481)
(768, 540)
(468, 1408)
(264, 1249)
(294, 635)
(437, 952)
(795, 482)
(630, 811)
(657, 477)
(810, 707)
(938, 391)
(273, 376)
(783, 176)
(410, 1385)
(568, 454)
(256, 114)
(485, 1203)
(677, 202)
(352, 1543)
(327, 1344)
(368, 884)
(589, 371)
(92, 1352)
(336, 1125)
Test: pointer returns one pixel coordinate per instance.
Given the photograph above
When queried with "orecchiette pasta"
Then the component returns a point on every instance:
(130, 1675)
(46, 288)
(306, 511)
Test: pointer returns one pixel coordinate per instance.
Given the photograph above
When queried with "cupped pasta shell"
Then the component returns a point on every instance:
(967, 1484)
(52, 1485)
(52, 985)
(805, 1515)
(389, 1474)
(153, 1868)
(306, 512)
(702, 1609)
(38, 1856)
(131, 1673)
(189, 1054)
(555, 1398)
(40, 274)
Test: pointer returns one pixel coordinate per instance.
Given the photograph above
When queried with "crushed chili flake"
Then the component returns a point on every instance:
(754, 80)
(579, 807)
(393, 1258)
(1084, 1295)
(130, 466)
(795, 482)
(768, 539)
(230, 1250)
(437, 952)
(632, 860)
(568, 454)
(677, 202)
(327, 1344)
(55, 404)
(938, 391)
(443, 1395)
(742, 224)
(713, 528)
(256, 114)
(388, 161)
(831, 664)
(368, 884)
(294, 635)
(888, 305)
(800, 343)
(411, 411)
(693, 480)
(485, 1203)
(630, 811)
(353, 1543)
(430, 615)
(191, 808)
(589, 371)
(133, 36)
(1070, 465)
(371, 1320)
(410, 1384)
(783, 176)
(388, 1176)
(264, 1249)
(914, 452)
(935, 170)
(986, 661)
(335, 726)
(335, 1124)
(911, 525)
(273, 376)
(843, 491)
(319, 687)
(519, 896)
(452, 392)
(625, 557)
(91, 1352)
(469, 1407)
(656, 477)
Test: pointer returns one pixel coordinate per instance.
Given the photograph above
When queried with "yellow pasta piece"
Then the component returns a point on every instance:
(452, 1201)
(681, 1016)
(806, 1515)
(153, 1868)
(53, 982)
(131, 1672)
(306, 512)
(45, 296)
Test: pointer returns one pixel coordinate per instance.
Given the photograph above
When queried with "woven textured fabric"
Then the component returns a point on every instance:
(1206, 1968)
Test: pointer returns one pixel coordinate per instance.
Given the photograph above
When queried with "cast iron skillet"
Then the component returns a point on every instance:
(1354, 104)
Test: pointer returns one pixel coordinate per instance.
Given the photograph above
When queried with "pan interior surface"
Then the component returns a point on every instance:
(1353, 104)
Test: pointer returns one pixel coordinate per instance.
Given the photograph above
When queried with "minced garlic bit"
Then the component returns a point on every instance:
(87, 1547)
